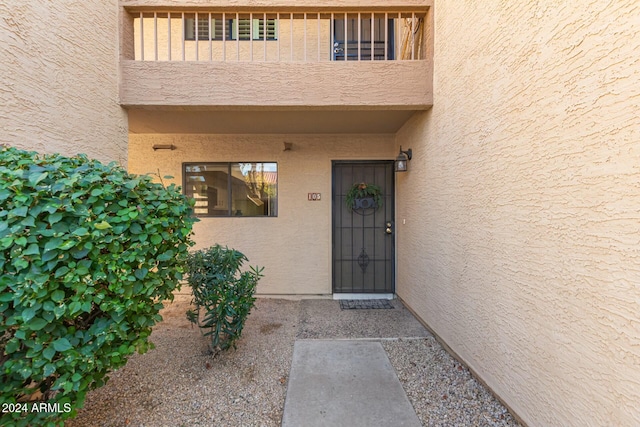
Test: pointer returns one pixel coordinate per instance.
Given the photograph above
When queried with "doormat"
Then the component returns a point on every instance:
(364, 304)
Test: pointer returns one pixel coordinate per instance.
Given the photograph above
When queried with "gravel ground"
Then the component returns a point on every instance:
(180, 383)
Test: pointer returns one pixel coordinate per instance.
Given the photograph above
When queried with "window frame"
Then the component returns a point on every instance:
(229, 199)
(230, 30)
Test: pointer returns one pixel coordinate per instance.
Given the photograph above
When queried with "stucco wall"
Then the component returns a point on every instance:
(59, 89)
(295, 247)
(387, 84)
(528, 167)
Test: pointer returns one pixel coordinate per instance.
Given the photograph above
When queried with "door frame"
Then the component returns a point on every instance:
(393, 256)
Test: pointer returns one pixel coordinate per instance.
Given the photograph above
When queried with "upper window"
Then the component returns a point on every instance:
(244, 28)
(232, 189)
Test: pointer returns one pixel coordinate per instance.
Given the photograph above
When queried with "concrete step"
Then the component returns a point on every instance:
(344, 383)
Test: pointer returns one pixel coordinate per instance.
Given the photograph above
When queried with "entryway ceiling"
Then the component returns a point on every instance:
(269, 122)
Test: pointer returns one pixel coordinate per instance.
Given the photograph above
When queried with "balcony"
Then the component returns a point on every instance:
(275, 60)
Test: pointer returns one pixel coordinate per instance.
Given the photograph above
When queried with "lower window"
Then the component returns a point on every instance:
(232, 189)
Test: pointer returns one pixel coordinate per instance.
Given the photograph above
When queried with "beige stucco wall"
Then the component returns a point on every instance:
(524, 255)
(295, 247)
(385, 84)
(59, 89)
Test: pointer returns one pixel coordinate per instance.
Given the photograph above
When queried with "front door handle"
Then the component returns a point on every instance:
(388, 230)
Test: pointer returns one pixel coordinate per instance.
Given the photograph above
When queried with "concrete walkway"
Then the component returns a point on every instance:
(344, 383)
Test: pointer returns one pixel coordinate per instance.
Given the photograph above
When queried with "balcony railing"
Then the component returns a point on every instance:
(278, 37)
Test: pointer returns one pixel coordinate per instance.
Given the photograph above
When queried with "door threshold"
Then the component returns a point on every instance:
(363, 296)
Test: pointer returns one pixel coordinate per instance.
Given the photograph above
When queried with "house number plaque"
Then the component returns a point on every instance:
(313, 197)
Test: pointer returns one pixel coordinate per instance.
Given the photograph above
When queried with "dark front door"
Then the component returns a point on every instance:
(346, 40)
(363, 242)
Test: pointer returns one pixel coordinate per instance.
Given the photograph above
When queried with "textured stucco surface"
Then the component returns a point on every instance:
(295, 247)
(521, 243)
(382, 84)
(59, 68)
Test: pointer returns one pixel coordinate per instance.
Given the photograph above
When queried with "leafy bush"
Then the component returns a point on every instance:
(223, 293)
(88, 254)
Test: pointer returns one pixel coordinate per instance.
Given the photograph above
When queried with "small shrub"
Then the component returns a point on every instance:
(222, 293)
(87, 255)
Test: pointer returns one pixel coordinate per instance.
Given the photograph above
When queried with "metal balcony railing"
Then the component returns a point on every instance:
(278, 37)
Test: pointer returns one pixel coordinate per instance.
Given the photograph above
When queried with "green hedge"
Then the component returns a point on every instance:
(223, 292)
(88, 254)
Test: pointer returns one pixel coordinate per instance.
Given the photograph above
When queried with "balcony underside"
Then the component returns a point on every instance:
(190, 121)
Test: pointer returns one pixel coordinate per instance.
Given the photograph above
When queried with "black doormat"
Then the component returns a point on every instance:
(364, 304)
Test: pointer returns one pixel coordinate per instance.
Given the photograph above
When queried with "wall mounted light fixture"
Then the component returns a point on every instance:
(402, 161)
(163, 147)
